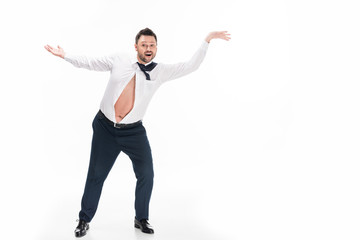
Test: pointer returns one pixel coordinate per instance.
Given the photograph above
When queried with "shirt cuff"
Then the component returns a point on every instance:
(70, 58)
(204, 45)
(67, 57)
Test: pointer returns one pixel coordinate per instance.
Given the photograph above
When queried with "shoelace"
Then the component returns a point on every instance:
(145, 221)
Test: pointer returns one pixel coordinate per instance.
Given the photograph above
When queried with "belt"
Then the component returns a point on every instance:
(119, 125)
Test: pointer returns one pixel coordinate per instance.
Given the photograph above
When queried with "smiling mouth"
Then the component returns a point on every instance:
(148, 54)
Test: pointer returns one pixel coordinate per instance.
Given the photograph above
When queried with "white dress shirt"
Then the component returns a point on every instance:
(123, 68)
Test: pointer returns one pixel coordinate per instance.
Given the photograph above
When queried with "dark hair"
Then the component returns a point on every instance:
(146, 32)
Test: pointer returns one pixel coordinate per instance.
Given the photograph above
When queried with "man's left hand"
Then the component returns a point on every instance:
(218, 35)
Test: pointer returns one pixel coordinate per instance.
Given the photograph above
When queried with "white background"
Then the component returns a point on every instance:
(262, 142)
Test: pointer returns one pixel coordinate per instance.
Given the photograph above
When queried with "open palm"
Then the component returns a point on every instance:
(218, 35)
(56, 51)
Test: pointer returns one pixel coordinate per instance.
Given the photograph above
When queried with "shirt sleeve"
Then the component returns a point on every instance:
(104, 63)
(173, 71)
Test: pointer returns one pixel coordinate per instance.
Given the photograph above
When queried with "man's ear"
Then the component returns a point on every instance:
(135, 45)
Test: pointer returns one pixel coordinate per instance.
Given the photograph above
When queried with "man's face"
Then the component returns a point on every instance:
(146, 48)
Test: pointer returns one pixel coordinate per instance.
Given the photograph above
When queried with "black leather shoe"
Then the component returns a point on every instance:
(144, 226)
(81, 229)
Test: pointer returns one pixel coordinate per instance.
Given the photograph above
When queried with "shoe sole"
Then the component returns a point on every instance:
(139, 227)
(78, 234)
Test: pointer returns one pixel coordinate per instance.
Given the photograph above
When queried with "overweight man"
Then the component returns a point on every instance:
(118, 124)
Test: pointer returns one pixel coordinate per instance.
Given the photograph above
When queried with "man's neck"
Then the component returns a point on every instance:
(141, 62)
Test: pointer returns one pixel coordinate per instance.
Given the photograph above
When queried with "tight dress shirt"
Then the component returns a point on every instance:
(122, 68)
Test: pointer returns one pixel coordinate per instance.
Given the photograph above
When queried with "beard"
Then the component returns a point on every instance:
(146, 59)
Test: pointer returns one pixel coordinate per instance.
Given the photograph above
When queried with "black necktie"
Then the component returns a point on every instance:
(147, 68)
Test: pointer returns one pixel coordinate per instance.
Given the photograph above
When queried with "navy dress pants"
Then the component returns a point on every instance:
(107, 143)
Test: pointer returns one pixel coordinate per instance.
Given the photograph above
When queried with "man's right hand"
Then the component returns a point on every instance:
(55, 51)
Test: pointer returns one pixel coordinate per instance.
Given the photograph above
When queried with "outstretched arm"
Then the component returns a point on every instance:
(218, 35)
(173, 71)
(97, 64)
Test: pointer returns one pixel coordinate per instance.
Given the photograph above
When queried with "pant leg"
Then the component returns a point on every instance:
(138, 149)
(104, 152)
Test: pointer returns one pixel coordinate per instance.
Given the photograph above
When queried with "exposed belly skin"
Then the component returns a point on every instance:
(125, 102)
